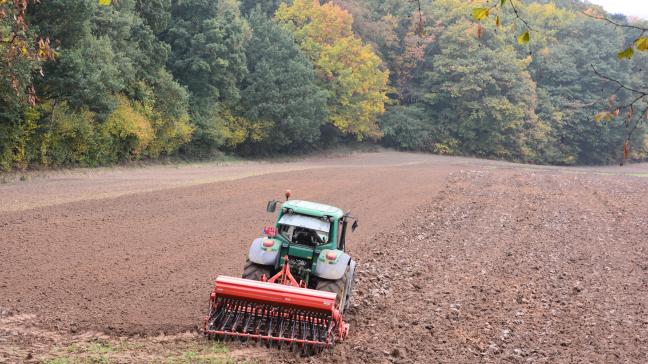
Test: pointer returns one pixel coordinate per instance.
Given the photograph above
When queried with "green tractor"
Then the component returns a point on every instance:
(313, 237)
(296, 284)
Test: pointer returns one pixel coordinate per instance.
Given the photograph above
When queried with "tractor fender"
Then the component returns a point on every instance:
(332, 269)
(262, 255)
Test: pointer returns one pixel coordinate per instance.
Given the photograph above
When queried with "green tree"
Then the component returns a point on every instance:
(109, 57)
(132, 27)
(84, 76)
(572, 92)
(139, 54)
(407, 127)
(266, 6)
(281, 89)
(156, 13)
(104, 51)
(481, 97)
(208, 48)
(534, 101)
(208, 42)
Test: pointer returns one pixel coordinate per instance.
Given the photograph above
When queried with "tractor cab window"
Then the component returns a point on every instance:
(304, 230)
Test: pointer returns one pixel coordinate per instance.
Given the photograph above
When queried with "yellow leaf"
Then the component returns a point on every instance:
(479, 13)
(104, 2)
(523, 38)
(497, 21)
(641, 43)
(603, 115)
(627, 54)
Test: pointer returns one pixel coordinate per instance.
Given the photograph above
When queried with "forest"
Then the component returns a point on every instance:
(89, 83)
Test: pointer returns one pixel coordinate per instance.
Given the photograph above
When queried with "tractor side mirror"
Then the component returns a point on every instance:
(272, 206)
(354, 226)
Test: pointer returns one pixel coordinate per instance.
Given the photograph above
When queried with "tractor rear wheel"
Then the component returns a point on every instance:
(339, 287)
(255, 271)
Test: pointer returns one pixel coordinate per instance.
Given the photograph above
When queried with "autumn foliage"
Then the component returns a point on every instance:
(96, 82)
(350, 70)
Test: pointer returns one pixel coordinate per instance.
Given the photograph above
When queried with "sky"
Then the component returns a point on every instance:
(628, 7)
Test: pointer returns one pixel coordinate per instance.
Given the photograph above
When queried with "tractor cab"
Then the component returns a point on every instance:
(303, 231)
(310, 224)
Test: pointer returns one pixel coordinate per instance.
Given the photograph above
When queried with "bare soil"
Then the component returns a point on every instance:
(461, 260)
(510, 266)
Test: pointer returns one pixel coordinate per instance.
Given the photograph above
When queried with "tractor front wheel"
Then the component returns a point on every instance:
(339, 287)
(255, 271)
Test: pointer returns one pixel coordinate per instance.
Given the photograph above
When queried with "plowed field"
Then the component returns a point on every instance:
(461, 260)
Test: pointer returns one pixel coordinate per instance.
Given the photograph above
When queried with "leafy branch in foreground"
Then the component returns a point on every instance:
(640, 43)
(481, 13)
(635, 110)
(419, 21)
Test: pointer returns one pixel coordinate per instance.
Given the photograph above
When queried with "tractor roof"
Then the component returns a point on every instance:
(313, 208)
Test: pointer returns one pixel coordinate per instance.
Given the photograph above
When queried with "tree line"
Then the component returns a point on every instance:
(521, 90)
(88, 83)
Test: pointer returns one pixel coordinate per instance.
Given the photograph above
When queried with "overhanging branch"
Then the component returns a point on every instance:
(617, 24)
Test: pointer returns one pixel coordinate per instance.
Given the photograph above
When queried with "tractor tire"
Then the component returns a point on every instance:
(255, 271)
(350, 285)
(339, 287)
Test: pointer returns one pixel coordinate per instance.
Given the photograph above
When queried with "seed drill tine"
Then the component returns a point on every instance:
(281, 324)
(239, 314)
(304, 327)
(227, 317)
(251, 317)
(215, 316)
(270, 329)
(260, 319)
(312, 328)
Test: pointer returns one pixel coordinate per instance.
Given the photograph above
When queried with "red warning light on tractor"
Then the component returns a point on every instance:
(270, 231)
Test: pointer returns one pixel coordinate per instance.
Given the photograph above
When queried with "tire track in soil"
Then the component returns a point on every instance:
(508, 266)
